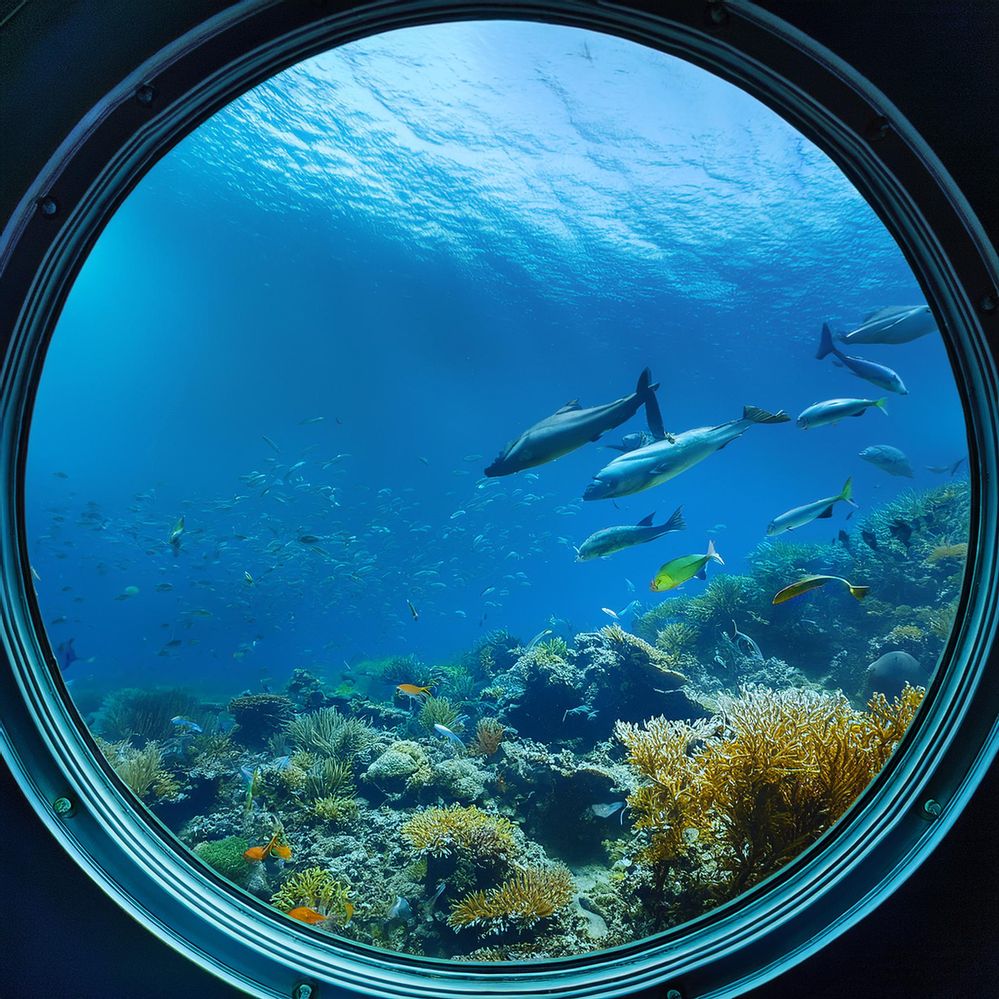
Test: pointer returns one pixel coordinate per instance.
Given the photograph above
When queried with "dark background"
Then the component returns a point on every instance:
(938, 935)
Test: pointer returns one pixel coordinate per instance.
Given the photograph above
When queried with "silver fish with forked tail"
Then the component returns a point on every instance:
(572, 426)
(616, 539)
(876, 374)
(894, 324)
(648, 466)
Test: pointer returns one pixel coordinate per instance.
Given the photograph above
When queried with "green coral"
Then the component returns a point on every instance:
(143, 714)
(141, 769)
(259, 716)
(440, 711)
(226, 857)
(336, 809)
(328, 777)
(404, 763)
(330, 733)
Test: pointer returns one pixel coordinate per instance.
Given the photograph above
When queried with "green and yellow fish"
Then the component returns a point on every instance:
(677, 571)
(807, 583)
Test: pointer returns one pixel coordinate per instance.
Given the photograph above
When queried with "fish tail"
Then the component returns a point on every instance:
(859, 592)
(882, 404)
(712, 553)
(676, 521)
(756, 415)
(847, 492)
(826, 345)
(646, 393)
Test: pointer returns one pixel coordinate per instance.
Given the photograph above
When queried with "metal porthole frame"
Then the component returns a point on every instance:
(860, 861)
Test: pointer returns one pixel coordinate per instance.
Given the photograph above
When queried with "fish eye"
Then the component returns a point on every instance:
(294, 658)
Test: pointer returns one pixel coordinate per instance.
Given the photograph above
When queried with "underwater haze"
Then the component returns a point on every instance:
(301, 517)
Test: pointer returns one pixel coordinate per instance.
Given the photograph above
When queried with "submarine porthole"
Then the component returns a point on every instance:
(425, 712)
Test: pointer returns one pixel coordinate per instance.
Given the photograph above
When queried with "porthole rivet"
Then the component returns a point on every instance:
(145, 94)
(717, 14)
(932, 808)
(987, 303)
(48, 206)
(673, 994)
(302, 991)
(63, 807)
(877, 129)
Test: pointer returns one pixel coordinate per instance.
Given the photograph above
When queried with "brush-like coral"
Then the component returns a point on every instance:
(259, 716)
(141, 769)
(532, 894)
(226, 857)
(328, 777)
(317, 889)
(330, 733)
(441, 832)
(143, 714)
(760, 782)
(440, 711)
(488, 736)
(636, 652)
(336, 809)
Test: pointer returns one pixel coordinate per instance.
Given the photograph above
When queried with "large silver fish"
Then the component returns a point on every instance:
(877, 374)
(616, 539)
(824, 414)
(818, 510)
(894, 324)
(889, 459)
(648, 466)
(572, 426)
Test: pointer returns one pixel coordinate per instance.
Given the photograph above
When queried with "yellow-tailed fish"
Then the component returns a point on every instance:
(677, 571)
(807, 583)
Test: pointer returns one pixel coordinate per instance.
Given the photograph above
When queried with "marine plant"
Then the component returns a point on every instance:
(337, 808)
(141, 769)
(532, 894)
(457, 829)
(556, 648)
(488, 736)
(226, 857)
(143, 714)
(440, 711)
(759, 782)
(328, 777)
(317, 889)
(259, 716)
(330, 733)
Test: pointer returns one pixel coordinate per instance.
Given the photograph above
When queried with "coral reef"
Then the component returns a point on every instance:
(259, 716)
(133, 713)
(403, 765)
(315, 889)
(439, 711)
(532, 894)
(141, 769)
(488, 736)
(441, 832)
(759, 782)
(330, 733)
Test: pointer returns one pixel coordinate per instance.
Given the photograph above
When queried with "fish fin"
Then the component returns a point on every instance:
(676, 521)
(615, 447)
(569, 407)
(757, 415)
(827, 512)
(647, 521)
(646, 392)
(711, 553)
(825, 343)
(847, 492)
(701, 574)
(859, 591)
(861, 413)
(882, 405)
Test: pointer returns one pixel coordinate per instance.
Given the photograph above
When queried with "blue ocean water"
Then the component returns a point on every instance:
(433, 239)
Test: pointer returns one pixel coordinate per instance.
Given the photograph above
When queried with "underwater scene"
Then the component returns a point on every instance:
(496, 492)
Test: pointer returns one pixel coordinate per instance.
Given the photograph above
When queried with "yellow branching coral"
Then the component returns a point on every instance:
(779, 768)
(532, 894)
(441, 832)
(317, 889)
(488, 736)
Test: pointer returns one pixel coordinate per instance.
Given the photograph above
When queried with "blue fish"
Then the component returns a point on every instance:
(185, 724)
(445, 733)
(876, 374)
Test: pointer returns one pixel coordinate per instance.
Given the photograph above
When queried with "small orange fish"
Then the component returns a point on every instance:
(307, 915)
(411, 690)
(348, 908)
(259, 853)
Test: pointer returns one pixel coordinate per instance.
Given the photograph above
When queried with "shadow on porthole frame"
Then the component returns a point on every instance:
(884, 836)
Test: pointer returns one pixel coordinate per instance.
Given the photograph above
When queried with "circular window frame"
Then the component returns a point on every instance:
(884, 837)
